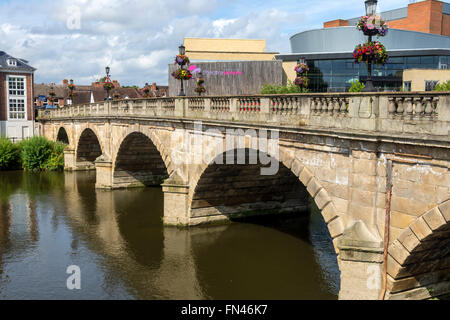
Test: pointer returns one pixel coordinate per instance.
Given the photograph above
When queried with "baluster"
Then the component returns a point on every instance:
(392, 108)
(400, 107)
(343, 108)
(428, 107)
(319, 108)
(409, 107)
(331, 105)
(419, 109)
(337, 105)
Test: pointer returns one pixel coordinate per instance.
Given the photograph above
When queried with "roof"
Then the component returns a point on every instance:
(44, 89)
(344, 39)
(22, 64)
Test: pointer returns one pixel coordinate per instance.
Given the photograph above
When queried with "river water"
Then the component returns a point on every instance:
(51, 221)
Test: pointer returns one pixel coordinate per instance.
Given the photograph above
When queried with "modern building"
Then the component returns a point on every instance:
(424, 79)
(419, 38)
(16, 97)
(229, 66)
(206, 49)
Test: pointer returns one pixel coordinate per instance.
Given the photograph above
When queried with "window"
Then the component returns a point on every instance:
(17, 105)
(16, 86)
(17, 109)
(12, 62)
(430, 84)
(407, 85)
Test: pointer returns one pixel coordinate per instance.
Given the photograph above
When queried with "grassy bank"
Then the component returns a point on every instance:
(34, 154)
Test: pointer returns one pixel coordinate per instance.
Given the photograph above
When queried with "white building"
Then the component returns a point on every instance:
(16, 97)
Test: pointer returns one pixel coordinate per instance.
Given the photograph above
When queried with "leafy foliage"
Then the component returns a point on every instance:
(443, 86)
(280, 89)
(357, 86)
(40, 154)
(9, 155)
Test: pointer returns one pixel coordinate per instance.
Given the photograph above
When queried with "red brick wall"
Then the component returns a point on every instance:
(446, 25)
(336, 23)
(3, 95)
(423, 16)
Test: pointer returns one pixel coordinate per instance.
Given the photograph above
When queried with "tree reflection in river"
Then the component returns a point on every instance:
(49, 222)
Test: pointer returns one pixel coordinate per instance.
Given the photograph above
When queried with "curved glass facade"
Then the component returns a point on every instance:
(337, 74)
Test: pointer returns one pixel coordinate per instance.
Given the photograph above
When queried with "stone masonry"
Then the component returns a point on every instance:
(334, 148)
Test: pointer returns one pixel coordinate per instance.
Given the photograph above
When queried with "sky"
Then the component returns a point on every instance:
(77, 39)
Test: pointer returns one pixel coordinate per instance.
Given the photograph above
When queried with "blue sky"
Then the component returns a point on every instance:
(138, 38)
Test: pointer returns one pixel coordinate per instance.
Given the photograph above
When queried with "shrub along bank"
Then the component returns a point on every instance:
(34, 154)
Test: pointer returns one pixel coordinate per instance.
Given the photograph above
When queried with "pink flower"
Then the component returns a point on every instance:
(370, 26)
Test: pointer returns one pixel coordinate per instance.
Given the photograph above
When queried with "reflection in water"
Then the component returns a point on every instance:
(51, 221)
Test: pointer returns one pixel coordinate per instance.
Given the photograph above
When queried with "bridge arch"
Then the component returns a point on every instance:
(138, 162)
(62, 136)
(419, 259)
(89, 148)
(292, 171)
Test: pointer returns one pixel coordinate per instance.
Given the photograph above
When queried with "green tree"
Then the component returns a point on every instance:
(357, 86)
(443, 86)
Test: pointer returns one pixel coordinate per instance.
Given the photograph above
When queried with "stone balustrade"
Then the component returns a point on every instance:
(400, 113)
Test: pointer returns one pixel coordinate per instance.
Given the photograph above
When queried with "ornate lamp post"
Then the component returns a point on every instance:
(182, 52)
(371, 8)
(71, 88)
(182, 74)
(301, 70)
(200, 81)
(108, 86)
(52, 94)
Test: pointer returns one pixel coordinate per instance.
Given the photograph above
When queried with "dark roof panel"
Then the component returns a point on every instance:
(22, 65)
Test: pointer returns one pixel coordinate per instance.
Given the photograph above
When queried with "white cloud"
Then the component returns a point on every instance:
(138, 38)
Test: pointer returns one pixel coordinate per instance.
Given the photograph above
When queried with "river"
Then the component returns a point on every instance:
(51, 221)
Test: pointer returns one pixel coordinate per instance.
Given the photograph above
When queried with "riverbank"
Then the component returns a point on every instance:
(34, 154)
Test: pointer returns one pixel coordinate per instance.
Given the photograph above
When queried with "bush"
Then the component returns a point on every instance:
(9, 155)
(56, 160)
(280, 89)
(443, 86)
(356, 86)
(39, 154)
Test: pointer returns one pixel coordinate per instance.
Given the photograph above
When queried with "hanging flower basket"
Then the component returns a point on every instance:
(182, 60)
(372, 26)
(371, 51)
(108, 85)
(200, 89)
(182, 74)
(301, 69)
(301, 81)
(71, 87)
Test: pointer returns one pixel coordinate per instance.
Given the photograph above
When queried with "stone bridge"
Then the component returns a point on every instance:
(376, 165)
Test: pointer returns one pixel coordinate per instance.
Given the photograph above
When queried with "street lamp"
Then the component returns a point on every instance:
(182, 51)
(371, 8)
(107, 84)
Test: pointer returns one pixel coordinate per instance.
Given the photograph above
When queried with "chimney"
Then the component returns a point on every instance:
(116, 84)
(154, 86)
(65, 82)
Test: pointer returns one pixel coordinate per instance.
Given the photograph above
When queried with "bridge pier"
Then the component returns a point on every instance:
(104, 171)
(176, 201)
(70, 160)
(361, 263)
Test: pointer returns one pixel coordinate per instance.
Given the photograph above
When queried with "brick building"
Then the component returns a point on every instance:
(16, 97)
(418, 38)
(429, 16)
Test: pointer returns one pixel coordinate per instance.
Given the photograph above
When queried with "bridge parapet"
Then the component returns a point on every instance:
(422, 113)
